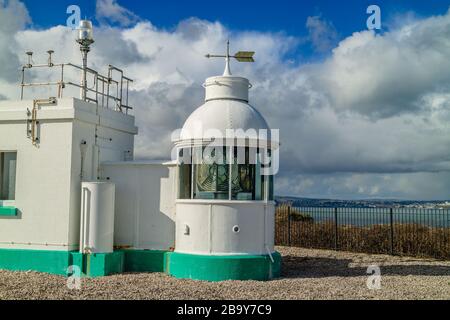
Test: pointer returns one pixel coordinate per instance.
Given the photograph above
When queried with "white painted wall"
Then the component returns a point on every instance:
(48, 181)
(115, 133)
(211, 223)
(145, 203)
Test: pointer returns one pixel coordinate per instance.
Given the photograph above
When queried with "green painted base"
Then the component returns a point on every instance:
(220, 268)
(144, 260)
(55, 262)
(99, 264)
(199, 267)
(90, 265)
(58, 262)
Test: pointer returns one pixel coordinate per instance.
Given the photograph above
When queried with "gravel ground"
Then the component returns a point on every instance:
(307, 274)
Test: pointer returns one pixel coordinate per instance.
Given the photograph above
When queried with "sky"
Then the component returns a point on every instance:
(362, 113)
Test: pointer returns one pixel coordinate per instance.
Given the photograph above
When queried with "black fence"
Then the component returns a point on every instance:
(396, 231)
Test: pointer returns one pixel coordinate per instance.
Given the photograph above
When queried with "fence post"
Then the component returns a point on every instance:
(335, 229)
(289, 225)
(391, 216)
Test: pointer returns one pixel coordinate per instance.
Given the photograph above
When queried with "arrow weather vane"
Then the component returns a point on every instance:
(241, 56)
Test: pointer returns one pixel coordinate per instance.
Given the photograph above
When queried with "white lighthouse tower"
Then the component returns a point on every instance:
(225, 207)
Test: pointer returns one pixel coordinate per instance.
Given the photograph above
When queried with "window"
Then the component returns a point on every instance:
(211, 173)
(245, 176)
(185, 173)
(8, 175)
(208, 173)
(271, 193)
(267, 179)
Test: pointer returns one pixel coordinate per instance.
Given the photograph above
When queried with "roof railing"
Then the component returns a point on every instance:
(103, 89)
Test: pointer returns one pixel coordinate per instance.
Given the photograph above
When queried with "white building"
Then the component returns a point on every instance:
(72, 199)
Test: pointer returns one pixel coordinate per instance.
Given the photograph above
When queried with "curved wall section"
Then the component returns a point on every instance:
(225, 227)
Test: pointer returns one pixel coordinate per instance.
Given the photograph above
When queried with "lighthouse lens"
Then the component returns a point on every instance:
(211, 178)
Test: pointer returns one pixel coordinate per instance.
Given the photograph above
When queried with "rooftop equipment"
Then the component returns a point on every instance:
(104, 89)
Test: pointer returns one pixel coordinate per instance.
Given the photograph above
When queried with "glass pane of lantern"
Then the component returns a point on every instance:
(271, 193)
(243, 174)
(211, 173)
(185, 163)
(267, 190)
(270, 178)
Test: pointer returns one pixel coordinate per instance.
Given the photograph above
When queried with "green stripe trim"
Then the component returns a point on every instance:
(8, 211)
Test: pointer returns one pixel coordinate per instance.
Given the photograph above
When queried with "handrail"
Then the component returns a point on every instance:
(102, 95)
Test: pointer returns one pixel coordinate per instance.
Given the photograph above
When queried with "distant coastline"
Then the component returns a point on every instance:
(368, 203)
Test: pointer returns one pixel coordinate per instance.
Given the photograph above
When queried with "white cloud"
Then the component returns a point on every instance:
(13, 17)
(111, 11)
(419, 185)
(372, 117)
(386, 75)
(322, 33)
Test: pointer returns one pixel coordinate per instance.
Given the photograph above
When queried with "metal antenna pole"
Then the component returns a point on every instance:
(84, 53)
(227, 71)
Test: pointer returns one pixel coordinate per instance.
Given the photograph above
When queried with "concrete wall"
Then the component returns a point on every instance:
(145, 204)
(48, 175)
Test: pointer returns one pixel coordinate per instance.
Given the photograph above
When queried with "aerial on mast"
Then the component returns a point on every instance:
(85, 39)
(241, 56)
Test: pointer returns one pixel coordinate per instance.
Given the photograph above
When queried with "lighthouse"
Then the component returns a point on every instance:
(225, 207)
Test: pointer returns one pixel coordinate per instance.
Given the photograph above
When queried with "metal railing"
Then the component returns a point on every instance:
(103, 90)
(396, 231)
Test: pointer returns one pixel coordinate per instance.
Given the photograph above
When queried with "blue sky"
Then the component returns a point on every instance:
(361, 114)
(283, 15)
(286, 16)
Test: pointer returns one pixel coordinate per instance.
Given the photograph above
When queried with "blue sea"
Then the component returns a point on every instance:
(438, 218)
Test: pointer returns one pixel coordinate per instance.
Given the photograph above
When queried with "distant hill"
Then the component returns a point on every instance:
(369, 203)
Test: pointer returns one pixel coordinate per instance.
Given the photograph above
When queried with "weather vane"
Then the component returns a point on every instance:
(241, 56)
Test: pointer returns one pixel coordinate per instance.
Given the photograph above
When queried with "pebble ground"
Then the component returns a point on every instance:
(307, 274)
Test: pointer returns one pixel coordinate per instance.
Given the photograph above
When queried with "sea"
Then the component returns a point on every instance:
(434, 214)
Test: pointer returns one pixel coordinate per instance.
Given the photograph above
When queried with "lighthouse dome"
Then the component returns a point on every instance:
(214, 118)
(226, 108)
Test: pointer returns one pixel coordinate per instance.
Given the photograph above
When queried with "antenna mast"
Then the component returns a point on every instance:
(85, 39)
